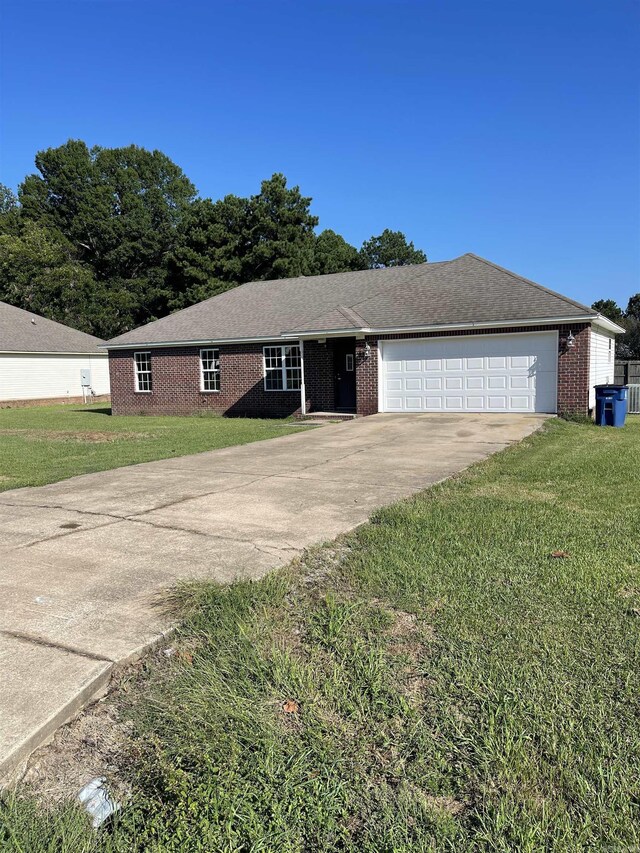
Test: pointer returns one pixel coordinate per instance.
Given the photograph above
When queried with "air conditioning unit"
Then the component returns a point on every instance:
(634, 399)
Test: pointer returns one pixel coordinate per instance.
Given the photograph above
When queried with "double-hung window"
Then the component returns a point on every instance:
(142, 363)
(210, 369)
(282, 368)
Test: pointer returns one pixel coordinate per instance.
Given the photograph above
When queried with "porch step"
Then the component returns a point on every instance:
(326, 416)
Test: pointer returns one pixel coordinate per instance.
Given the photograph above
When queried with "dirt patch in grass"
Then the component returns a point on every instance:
(90, 437)
(97, 743)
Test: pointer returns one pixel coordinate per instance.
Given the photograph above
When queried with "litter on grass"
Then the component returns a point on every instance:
(97, 802)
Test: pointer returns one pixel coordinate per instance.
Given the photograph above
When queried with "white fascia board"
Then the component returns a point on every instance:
(403, 330)
(605, 323)
(50, 352)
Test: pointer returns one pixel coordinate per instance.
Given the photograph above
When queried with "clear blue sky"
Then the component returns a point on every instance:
(509, 128)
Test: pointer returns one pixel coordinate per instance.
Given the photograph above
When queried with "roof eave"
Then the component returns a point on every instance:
(434, 327)
(609, 325)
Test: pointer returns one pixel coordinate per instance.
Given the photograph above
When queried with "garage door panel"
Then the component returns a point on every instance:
(474, 383)
(474, 403)
(491, 373)
(453, 383)
(498, 404)
(497, 362)
(474, 363)
(496, 382)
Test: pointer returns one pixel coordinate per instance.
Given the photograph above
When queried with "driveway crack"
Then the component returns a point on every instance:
(36, 640)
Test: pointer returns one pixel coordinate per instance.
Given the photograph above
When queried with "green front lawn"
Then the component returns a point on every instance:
(435, 681)
(43, 444)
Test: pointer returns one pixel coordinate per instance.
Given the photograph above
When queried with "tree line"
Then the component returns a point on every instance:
(105, 239)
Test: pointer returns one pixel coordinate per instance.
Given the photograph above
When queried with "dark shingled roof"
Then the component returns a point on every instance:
(465, 290)
(22, 331)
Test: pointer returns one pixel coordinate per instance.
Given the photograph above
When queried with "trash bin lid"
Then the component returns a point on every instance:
(608, 387)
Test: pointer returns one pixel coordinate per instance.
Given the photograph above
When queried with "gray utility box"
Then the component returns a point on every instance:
(85, 377)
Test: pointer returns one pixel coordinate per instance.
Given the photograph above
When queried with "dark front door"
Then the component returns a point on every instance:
(344, 366)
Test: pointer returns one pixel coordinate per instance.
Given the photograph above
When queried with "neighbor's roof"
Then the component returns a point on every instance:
(465, 290)
(22, 331)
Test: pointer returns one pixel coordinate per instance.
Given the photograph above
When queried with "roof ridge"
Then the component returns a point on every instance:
(521, 278)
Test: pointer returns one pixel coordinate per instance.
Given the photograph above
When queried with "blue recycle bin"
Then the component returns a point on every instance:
(611, 405)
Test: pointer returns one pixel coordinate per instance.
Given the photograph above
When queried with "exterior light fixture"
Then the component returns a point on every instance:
(367, 349)
(571, 341)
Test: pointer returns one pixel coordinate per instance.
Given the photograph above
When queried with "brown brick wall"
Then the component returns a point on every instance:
(573, 371)
(367, 377)
(573, 365)
(176, 384)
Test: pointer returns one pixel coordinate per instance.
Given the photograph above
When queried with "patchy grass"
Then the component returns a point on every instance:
(435, 681)
(44, 444)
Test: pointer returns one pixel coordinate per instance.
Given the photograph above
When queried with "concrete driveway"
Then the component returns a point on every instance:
(82, 561)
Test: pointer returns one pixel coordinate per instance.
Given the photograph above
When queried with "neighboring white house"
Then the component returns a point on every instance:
(44, 360)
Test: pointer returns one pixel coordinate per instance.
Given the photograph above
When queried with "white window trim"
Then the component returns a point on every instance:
(135, 372)
(283, 368)
(202, 388)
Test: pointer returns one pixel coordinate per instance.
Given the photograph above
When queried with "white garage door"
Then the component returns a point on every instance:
(475, 373)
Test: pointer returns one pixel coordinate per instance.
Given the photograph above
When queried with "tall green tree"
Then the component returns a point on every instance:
(333, 254)
(390, 249)
(120, 209)
(39, 272)
(235, 240)
(630, 343)
(280, 236)
(9, 211)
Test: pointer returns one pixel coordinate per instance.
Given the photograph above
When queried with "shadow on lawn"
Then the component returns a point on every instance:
(93, 411)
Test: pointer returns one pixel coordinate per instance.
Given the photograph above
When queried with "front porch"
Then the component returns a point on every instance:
(337, 381)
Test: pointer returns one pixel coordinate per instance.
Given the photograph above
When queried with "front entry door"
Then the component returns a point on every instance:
(344, 361)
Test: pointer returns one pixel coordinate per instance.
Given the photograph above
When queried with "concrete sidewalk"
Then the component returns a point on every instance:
(82, 561)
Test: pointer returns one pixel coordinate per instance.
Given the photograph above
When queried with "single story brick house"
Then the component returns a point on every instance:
(456, 336)
(43, 361)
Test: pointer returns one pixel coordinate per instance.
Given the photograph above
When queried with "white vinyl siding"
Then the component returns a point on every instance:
(471, 373)
(602, 357)
(42, 376)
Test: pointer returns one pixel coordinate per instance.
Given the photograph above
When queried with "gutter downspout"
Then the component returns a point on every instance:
(303, 393)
